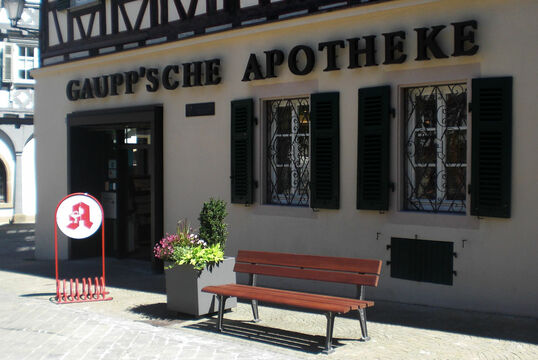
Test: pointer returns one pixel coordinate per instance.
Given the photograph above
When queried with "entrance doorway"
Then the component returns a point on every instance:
(116, 156)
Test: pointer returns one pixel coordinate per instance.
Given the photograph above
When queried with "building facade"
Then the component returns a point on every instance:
(19, 54)
(399, 130)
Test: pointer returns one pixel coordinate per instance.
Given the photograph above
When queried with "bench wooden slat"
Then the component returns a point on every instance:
(366, 266)
(307, 274)
(260, 294)
(238, 288)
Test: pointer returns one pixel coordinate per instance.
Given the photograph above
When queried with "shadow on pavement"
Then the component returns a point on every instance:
(17, 255)
(313, 344)
(17, 247)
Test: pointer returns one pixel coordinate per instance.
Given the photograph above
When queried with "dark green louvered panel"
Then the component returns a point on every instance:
(62, 4)
(373, 148)
(325, 147)
(242, 151)
(491, 147)
(422, 260)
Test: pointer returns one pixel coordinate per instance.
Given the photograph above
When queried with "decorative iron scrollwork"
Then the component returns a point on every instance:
(435, 148)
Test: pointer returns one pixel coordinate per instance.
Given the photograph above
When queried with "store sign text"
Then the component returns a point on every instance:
(301, 60)
(197, 73)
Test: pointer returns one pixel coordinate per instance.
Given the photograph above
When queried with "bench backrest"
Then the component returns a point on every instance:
(309, 267)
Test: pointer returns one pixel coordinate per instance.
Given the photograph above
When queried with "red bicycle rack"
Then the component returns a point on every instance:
(77, 222)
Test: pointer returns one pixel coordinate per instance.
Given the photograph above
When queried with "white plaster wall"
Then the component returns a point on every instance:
(7, 156)
(497, 269)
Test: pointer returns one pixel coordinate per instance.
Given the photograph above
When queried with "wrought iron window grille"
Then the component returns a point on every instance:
(288, 151)
(435, 148)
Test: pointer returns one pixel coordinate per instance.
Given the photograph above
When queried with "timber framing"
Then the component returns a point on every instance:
(116, 25)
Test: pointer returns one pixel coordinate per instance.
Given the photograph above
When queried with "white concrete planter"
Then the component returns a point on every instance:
(184, 287)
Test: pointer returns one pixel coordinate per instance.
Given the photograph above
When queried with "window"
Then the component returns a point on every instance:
(435, 148)
(3, 183)
(26, 62)
(288, 151)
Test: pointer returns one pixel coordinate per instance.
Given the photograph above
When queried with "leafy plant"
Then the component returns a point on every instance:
(213, 229)
(205, 248)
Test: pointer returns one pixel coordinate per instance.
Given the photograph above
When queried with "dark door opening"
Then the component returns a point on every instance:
(117, 157)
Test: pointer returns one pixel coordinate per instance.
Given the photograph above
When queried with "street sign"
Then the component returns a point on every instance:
(79, 216)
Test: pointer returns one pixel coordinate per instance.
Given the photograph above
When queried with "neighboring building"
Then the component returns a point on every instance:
(19, 51)
(400, 130)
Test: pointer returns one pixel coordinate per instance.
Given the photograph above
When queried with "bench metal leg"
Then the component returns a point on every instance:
(364, 329)
(254, 304)
(330, 326)
(222, 301)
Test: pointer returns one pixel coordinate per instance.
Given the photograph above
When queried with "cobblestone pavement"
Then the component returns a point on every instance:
(34, 329)
(137, 325)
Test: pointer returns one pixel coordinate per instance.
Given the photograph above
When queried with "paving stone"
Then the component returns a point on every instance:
(136, 324)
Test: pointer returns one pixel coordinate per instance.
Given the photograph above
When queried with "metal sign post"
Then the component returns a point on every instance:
(79, 216)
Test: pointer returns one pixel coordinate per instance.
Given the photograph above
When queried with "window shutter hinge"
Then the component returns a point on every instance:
(455, 254)
(255, 184)
(391, 186)
(388, 263)
(469, 189)
(455, 273)
(388, 247)
(393, 112)
(255, 119)
(470, 108)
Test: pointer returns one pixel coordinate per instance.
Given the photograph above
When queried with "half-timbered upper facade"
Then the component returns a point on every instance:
(74, 29)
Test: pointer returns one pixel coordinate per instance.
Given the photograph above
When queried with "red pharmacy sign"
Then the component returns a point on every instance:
(79, 216)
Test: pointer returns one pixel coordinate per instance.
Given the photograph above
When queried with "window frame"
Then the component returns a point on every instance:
(24, 63)
(408, 173)
(264, 164)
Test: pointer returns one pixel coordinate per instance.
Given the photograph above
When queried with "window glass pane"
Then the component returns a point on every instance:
(425, 147)
(283, 119)
(283, 180)
(456, 147)
(304, 127)
(425, 183)
(137, 136)
(455, 183)
(31, 51)
(426, 109)
(283, 150)
(3, 181)
(456, 109)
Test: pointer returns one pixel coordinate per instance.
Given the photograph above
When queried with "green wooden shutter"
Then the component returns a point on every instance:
(62, 4)
(373, 148)
(242, 151)
(325, 148)
(491, 147)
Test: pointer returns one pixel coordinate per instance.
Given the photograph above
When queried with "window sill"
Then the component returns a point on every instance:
(440, 219)
(285, 211)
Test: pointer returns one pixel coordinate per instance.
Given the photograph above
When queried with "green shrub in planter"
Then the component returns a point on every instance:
(213, 229)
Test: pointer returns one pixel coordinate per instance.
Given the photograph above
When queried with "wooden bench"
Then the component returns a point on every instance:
(359, 272)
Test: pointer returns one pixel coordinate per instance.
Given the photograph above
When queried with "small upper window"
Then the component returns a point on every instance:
(26, 62)
(436, 148)
(288, 151)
